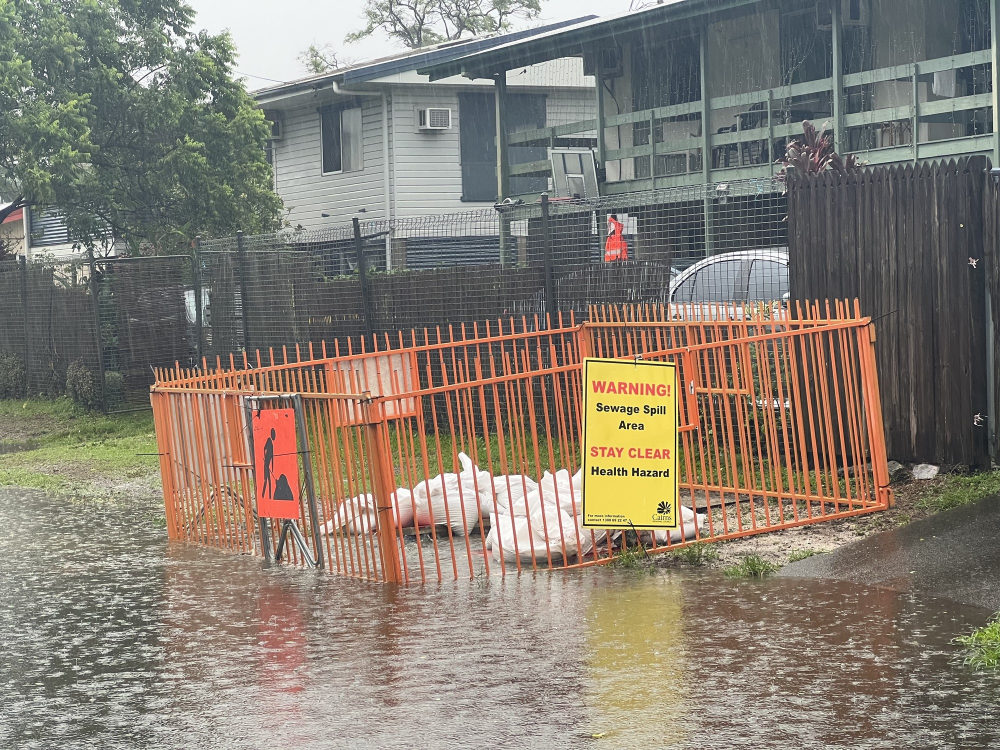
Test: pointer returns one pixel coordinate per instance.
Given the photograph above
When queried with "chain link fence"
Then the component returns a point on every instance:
(108, 322)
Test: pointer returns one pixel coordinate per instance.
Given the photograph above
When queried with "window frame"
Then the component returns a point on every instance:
(337, 110)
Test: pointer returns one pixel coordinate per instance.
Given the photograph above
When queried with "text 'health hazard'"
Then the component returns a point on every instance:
(629, 444)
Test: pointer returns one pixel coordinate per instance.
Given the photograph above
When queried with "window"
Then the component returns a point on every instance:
(717, 282)
(341, 135)
(477, 136)
(768, 281)
(683, 292)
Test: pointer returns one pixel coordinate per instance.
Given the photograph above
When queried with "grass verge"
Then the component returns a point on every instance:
(56, 446)
(982, 646)
(750, 566)
(959, 489)
(696, 554)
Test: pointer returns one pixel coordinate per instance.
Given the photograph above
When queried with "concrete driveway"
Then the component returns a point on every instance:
(954, 554)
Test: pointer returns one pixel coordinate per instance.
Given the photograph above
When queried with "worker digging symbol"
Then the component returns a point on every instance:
(276, 463)
(615, 247)
(269, 466)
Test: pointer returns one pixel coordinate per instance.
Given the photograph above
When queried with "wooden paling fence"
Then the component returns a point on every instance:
(446, 454)
(916, 243)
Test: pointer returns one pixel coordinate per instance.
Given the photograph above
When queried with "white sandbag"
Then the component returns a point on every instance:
(359, 515)
(450, 499)
(355, 516)
(402, 507)
(519, 537)
(510, 491)
(561, 489)
(562, 530)
(478, 482)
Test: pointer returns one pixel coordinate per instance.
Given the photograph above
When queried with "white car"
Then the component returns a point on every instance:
(731, 280)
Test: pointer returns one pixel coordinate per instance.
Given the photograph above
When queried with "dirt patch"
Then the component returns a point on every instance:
(18, 433)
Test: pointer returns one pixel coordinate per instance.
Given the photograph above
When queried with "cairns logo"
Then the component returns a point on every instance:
(664, 512)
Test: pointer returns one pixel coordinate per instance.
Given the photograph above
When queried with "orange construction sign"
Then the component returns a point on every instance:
(276, 463)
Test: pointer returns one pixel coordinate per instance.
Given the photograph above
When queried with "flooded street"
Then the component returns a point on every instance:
(114, 638)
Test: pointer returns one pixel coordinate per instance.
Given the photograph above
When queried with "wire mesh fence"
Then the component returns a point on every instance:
(117, 318)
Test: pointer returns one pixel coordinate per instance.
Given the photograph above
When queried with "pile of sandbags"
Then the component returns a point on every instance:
(528, 520)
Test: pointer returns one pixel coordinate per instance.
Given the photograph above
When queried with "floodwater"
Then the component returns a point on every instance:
(115, 638)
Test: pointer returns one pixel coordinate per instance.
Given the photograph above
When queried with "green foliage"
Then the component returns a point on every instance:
(982, 646)
(11, 376)
(803, 554)
(119, 114)
(959, 490)
(696, 554)
(82, 386)
(114, 388)
(631, 556)
(416, 23)
(750, 566)
(319, 59)
(74, 450)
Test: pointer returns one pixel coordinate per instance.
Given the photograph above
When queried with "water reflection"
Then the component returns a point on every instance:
(115, 638)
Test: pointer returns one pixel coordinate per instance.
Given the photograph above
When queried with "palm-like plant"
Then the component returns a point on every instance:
(813, 153)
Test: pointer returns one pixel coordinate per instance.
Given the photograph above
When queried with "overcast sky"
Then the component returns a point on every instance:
(271, 33)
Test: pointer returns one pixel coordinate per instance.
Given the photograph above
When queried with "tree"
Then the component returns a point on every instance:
(321, 59)
(130, 123)
(417, 23)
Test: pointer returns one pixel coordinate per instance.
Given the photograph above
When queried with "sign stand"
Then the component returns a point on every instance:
(273, 405)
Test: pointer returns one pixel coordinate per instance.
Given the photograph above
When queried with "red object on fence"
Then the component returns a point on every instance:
(615, 247)
(276, 463)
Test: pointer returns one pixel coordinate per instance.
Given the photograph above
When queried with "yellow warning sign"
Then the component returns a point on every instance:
(629, 444)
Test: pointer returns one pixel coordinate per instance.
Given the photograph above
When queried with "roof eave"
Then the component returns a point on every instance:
(574, 41)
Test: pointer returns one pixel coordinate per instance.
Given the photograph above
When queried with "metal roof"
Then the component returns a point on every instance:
(571, 40)
(434, 55)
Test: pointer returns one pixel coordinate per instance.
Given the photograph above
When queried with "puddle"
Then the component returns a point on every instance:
(116, 638)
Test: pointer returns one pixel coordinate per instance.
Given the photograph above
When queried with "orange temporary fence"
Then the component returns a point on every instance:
(446, 454)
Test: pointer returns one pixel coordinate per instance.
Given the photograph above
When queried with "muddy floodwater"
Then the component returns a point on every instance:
(114, 638)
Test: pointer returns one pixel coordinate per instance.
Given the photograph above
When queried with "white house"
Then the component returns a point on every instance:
(36, 232)
(378, 140)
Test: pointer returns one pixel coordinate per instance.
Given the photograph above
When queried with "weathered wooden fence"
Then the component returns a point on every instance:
(909, 242)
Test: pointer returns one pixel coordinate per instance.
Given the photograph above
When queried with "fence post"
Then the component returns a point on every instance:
(359, 250)
(23, 267)
(550, 296)
(95, 295)
(196, 284)
(241, 255)
(383, 486)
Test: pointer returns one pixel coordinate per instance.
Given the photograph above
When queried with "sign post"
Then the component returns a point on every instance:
(630, 445)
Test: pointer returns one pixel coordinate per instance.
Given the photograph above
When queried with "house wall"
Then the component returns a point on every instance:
(12, 234)
(425, 168)
(306, 191)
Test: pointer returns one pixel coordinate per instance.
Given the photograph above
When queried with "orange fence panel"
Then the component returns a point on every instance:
(449, 454)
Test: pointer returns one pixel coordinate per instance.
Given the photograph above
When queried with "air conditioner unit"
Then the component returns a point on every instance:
(273, 118)
(434, 118)
(852, 13)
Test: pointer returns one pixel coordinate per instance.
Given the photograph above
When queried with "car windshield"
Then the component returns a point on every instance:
(768, 281)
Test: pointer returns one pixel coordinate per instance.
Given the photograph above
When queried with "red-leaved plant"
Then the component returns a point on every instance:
(813, 153)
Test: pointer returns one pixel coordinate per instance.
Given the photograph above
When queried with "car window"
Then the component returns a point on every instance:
(717, 282)
(768, 281)
(683, 292)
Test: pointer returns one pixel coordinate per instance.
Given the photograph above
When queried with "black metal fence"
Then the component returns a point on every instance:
(113, 319)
